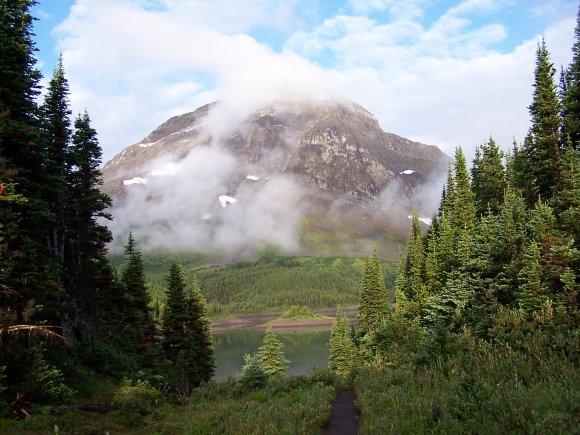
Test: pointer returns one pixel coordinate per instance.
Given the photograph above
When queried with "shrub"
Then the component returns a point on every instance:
(300, 312)
(138, 397)
(252, 376)
(47, 382)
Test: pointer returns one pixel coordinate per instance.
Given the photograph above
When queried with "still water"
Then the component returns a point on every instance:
(304, 350)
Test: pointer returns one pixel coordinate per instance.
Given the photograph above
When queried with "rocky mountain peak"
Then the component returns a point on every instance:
(334, 146)
(290, 173)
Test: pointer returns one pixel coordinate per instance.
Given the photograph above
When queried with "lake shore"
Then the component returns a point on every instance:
(300, 325)
(263, 320)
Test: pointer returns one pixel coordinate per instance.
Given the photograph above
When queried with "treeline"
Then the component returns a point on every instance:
(270, 283)
(279, 284)
(482, 332)
(62, 307)
(506, 237)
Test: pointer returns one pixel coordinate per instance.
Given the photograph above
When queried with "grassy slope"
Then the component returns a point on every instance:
(478, 387)
(296, 404)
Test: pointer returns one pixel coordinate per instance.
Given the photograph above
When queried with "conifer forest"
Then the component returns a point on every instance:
(476, 329)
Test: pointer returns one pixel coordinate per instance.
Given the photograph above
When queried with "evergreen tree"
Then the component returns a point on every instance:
(401, 306)
(139, 327)
(271, 356)
(57, 134)
(176, 316)
(88, 278)
(462, 215)
(488, 178)
(200, 326)
(415, 263)
(571, 95)
(519, 172)
(532, 291)
(543, 149)
(567, 201)
(342, 349)
(373, 298)
(187, 340)
(252, 375)
(447, 307)
(31, 270)
(448, 195)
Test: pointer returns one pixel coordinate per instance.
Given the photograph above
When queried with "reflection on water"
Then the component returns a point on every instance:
(305, 350)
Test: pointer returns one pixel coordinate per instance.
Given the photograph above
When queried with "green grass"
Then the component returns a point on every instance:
(291, 405)
(482, 389)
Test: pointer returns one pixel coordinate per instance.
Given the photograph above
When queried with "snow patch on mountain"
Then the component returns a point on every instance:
(252, 177)
(225, 200)
(407, 172)
(135, 180)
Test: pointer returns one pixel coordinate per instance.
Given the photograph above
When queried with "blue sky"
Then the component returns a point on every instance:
(443, 72)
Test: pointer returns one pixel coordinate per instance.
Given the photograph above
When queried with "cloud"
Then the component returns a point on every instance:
(396, 8)
(134, 66)
(445, 83)
(442, 77)
(182, 210)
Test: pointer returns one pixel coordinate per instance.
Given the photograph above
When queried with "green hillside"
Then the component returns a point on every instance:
(270, 283)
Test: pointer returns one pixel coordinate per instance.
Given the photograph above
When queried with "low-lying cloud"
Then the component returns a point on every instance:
(182, 211)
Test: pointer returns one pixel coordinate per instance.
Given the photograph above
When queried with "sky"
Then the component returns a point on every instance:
(447, 73)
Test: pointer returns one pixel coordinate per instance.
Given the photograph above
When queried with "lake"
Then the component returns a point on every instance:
(304, 350)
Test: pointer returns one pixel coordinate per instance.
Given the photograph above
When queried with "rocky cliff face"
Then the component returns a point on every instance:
(335, 151)
(336, 147)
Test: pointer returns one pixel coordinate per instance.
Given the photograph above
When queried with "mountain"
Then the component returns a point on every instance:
(350, 182)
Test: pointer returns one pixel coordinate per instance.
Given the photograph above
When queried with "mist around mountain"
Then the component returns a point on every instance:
(307, 176)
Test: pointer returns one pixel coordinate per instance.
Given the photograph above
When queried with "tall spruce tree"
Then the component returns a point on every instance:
(92, 292)
(187, 340)
(139, 330)
(175, 316)
(415, 263)
(543, 149)
(56, 128)
(31, 273)
(462, 215)
(532, 291)
(567, 202)
(571, 95)
(373, 298)
(519, 173)
(201, 333)
(488, 178)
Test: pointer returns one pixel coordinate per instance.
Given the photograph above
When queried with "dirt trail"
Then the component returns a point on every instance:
(344, 420)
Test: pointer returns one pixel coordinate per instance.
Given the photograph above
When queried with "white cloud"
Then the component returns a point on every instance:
(134, 67)
(446, 84)
(477, 6)
(134, 63)
(396, 8)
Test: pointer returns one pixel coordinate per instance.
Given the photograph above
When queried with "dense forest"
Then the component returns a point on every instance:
(63, 309)
(479, 332)
(272, 282)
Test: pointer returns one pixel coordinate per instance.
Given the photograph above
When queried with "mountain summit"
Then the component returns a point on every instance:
(329, 154)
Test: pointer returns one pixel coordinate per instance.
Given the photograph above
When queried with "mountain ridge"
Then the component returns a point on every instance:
(332, 156)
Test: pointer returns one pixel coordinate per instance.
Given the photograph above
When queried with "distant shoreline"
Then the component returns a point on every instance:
(263, 320)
